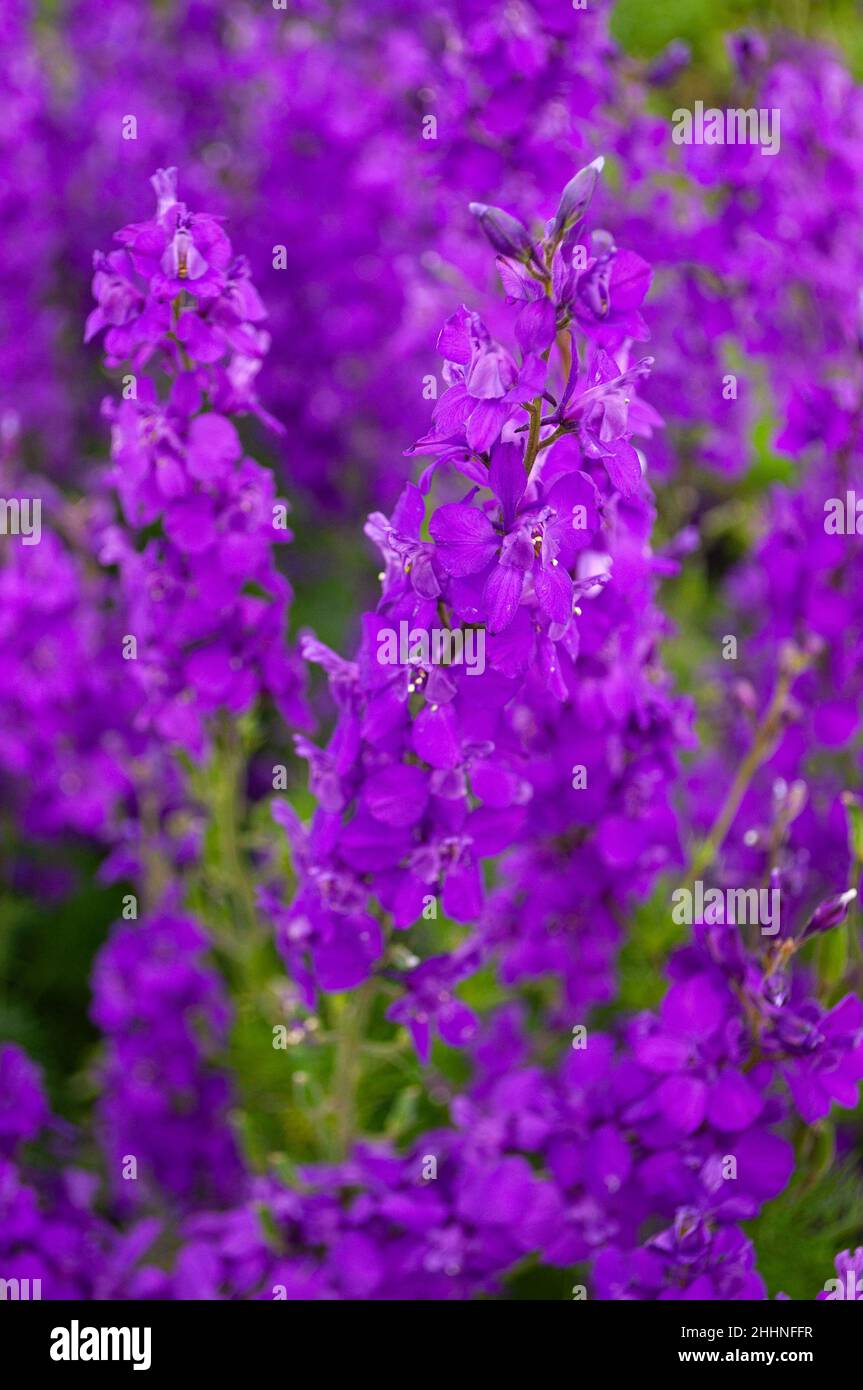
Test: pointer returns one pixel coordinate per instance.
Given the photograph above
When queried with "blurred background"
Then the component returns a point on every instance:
(306, 137)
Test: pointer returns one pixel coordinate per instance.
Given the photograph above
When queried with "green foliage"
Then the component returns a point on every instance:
(797, 1236)
(46, 958)
(651, 936)
(643, 29)
(532, 1282)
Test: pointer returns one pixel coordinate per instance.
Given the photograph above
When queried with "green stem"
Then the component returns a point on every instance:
(565, 353)
(349, 1029)
(553, 438)
(155, 874)
(227, 796)
(762, 746)
(535, 412)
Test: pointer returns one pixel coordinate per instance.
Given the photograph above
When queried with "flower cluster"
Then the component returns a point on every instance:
(66, 736)
(542, 570)
(49, 1231)
(163, 1106)
(205, 603)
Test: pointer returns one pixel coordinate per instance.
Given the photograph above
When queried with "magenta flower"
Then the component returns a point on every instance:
(485, 388)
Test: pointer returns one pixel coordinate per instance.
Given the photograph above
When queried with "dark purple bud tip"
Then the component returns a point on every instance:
(748, 50)
(676, 56)
(575, 198)
(829, 913)
(506, 234)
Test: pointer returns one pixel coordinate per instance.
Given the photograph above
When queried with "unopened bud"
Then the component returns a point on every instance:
(792, 659)
(676, 56)
(798, 795)
(576, 196)
(506, 234)
(830, 913)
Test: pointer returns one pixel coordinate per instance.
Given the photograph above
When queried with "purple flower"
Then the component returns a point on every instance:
(848, 1283)
(164, 1105)
(690, 1260)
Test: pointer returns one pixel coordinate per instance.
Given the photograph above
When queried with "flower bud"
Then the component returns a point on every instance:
(506, 234)
(668, 64)
(748, 51)
(829, 913)
(576, 196)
